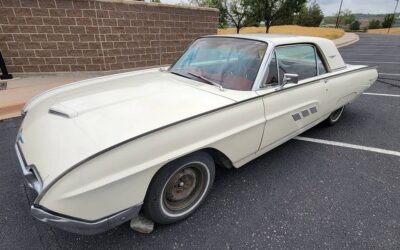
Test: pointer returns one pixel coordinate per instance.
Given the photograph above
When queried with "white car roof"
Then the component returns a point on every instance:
(326, 46)
(277, 39)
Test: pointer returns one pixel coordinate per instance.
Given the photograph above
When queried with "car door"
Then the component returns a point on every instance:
(289, 108)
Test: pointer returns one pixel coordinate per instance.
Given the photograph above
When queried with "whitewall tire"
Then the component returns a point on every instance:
(179, 188)
(334, 116)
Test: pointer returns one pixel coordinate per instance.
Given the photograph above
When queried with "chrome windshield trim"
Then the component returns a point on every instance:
(80, 226)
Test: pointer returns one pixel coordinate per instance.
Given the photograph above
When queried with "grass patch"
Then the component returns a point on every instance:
(385, 31)
(329, 33)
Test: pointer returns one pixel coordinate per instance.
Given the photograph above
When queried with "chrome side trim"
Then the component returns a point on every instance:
(79, 226)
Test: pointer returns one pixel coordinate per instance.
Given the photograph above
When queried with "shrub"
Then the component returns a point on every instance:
(355, 25)
(389, 19)
(374, 24)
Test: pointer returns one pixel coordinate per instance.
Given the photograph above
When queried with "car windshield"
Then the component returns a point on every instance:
(229, 63)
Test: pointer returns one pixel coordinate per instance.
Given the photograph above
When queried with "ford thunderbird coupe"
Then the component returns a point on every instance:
(100, 151)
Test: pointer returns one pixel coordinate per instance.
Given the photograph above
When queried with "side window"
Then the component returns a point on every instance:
(272, 74)
(297, 59)
(321, 66)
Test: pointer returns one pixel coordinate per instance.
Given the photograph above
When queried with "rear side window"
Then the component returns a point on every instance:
(297, 59)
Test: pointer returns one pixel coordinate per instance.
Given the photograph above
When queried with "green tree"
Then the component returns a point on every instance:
(239, 13)
(272, 11)
(288, 13)
(329, 20)
(218, 4)
(311, 16)
(346, 18)
(355, 25)
(374, 24)
(387, 22)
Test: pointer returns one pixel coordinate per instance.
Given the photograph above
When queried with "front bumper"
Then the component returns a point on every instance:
(80, 226)
(65, 222)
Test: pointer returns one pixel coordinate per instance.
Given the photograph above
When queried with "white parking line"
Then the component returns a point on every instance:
(389, 74)
(374, 62)
(348, 145)
(361, 54)
(357, 49)
(378, 94)
(376, 46)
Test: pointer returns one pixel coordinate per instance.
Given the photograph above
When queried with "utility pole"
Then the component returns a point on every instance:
(394, 16)
(338, 15)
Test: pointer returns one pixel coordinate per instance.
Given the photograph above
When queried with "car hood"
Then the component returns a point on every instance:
(70, 123)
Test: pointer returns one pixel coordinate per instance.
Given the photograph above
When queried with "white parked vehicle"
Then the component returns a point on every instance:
(101, 150)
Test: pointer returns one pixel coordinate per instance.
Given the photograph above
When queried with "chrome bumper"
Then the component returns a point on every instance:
(80, 226)
(66, 222)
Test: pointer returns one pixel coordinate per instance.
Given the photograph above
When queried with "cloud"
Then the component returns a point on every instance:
(330, 7)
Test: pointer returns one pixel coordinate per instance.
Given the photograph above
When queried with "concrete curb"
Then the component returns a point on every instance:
(346, 40)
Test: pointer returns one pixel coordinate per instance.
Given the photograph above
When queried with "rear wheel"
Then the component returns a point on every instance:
(334, 116)
(179, 188)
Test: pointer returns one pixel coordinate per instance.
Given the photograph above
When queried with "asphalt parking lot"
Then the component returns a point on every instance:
(301, 195)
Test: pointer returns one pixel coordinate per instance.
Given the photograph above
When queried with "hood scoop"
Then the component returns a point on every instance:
(61, 110)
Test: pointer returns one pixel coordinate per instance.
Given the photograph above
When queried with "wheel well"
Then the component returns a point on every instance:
(220, 158)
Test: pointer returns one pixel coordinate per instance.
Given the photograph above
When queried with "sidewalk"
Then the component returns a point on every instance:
(22, 89)
(346, 39)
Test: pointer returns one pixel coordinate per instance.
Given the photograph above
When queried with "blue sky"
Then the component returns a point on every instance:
(330, 7)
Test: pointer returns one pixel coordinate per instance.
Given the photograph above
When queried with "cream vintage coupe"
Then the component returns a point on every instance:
(100, 151)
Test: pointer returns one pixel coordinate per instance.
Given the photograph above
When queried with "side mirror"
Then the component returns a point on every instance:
(290, 78)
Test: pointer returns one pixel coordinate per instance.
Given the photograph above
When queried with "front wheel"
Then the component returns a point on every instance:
(334, 116)
(179, 188)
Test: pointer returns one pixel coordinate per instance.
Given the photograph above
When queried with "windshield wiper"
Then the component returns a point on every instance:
(179, 74)
(207, 80)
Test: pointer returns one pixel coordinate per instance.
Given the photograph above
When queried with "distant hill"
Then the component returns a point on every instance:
(369, 16)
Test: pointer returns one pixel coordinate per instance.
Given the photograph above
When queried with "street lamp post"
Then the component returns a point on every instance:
(338, 15)
(394, 16)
